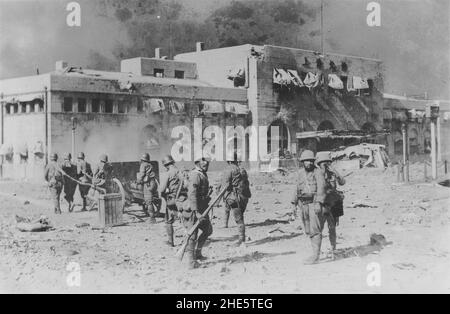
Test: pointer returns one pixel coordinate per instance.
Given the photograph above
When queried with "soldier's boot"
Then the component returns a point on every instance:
(144, 209)
(169, 230)
(200, 243)
(151, 213)
(191, 262)
(241, 239)
(70, 208)
(84, 205)
(316, 242)
(226, 218)
(332, 236)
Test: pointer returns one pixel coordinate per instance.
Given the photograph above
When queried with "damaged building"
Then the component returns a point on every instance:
(127, 113)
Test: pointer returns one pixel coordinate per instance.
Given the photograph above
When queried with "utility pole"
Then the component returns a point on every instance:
(74, 121)
(322, 48)
(433, 150)
(405, 152)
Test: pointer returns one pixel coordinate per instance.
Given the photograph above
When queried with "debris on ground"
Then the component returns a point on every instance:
(28, 225)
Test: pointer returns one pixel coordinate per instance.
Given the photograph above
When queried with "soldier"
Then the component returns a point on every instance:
(197, 203)
(55, 179)
(84, 172)
(146, 176)
(102, 175)
(237, 195)
(310, 193)
(333, 178)
(170, 190)
(70, 170)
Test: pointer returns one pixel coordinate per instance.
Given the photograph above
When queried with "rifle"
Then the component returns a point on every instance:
(180, 252)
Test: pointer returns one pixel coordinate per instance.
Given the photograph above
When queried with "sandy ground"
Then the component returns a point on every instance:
(133, 258)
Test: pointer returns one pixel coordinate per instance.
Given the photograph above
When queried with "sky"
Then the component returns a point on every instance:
(413, 40)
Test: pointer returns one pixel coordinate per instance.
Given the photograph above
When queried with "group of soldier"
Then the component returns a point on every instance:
(187, 195)
(66, 176)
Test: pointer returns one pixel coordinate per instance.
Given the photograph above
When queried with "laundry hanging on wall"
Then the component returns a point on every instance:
(335, 82)
(295, 78)
(311, 80)
(237, 72)
(236, 108)
(212, 107)
(360, 83)
(281, 77)
(176, 107)
(155, 104)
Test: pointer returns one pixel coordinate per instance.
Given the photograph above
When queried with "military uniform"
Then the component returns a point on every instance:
(55, 179)
(170, 189)
(236, 197)
(196, 204)
(84, 172)
(102, 176)
(69, 185)
(147, 178)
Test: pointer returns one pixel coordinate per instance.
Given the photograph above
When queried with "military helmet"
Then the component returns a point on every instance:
(54, 157)
(81, 155)
(104, 158)
(307, 155)
(67, 156)
(145, 157)
(168, 160)
(323, 157)
(201, 159)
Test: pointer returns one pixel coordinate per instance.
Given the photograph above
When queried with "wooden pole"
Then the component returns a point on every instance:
(438, 137)
(405, 153)
(433, 150)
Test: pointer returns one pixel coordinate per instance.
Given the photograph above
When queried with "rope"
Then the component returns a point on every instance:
(81, 183)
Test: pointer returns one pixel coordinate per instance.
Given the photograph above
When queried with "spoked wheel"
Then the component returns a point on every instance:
(117, 187)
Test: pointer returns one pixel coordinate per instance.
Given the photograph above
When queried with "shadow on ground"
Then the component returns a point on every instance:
(267, 222)
(251, 257)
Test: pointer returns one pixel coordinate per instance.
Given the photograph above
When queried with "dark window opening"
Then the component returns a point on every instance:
(32, 109)
(158, 72)
(179, 74)
(15, 108)
(319, 64)
(95, 106)
(82, 105)
(109, 108)
(140, 106)
(41, 107)
(344, 67)
(68, 104)
(344, 80)
(23, 107)
(370, 89)
(8, 109)
(122, 107)
(333, 66)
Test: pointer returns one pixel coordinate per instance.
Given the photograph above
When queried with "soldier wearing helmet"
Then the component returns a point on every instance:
(70, 171)
(84, 172)
(55, 180)
(238, 193)
(310, 196)
(171, 190)
(333, 204)
(103, 173)
(147, 178)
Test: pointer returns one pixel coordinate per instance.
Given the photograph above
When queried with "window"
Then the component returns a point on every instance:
(23, 107)
(158, 72)
(30, 107)
(82, 105)
(109, 108)
(140, 106)
(95, 106)
(179, 74)
(8, 108)
(123, 107)
(15, 108)
(68, 104)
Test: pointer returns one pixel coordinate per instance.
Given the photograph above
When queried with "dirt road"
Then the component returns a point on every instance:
(133, 258)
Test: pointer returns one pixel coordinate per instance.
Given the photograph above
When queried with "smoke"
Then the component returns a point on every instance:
(413, 41)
